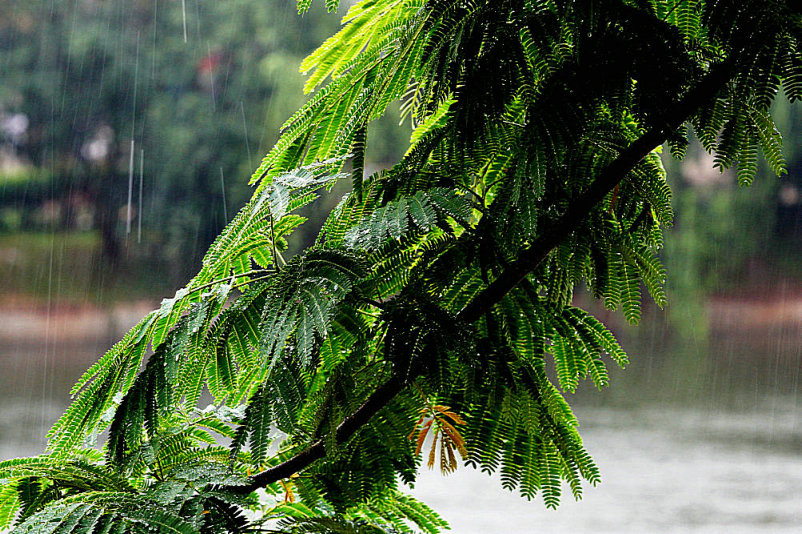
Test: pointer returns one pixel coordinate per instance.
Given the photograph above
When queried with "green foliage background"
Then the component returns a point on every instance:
(75, 67)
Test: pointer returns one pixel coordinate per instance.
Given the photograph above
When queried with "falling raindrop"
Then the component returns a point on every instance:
(133, 131)
(211, 77)
(136, 79)
(47, 347)
(184, 12)
(223, 188)
(155, 27)
(130, 189)
(245, 128)
(139, 205)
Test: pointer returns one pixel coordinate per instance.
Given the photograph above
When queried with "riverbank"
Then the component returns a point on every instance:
(26, 319)
(30, 321)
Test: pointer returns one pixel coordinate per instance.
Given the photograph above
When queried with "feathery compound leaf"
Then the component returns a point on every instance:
(80, 514)
(398, 218)
(305, 295)
(9, 504)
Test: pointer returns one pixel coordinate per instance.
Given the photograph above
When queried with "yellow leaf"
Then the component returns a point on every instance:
(455, 437)
(289, 496)
(455, 417)
(422, 436)
(434, 448)
(420, 421)
(452, 460)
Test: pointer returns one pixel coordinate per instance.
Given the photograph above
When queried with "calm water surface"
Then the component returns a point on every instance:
(662, 471)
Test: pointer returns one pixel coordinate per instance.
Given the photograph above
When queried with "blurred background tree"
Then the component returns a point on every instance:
(94, 93)
(742, 241)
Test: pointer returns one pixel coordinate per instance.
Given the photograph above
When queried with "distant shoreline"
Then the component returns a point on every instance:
(27, 320)
(24, 321)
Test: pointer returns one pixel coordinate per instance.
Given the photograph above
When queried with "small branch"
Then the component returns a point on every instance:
(273, 242)
(374, 303)
(375, 402)
(221, 280)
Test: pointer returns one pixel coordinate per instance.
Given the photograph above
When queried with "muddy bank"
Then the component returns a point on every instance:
(755, 311)
(35, 323)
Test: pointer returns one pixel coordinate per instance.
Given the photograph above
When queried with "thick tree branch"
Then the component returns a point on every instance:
(527, 261)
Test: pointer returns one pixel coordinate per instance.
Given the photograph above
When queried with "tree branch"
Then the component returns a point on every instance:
(375, 402)
(580, 208)
(527, 261)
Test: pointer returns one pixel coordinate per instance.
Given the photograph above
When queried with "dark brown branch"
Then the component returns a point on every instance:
(527, 261)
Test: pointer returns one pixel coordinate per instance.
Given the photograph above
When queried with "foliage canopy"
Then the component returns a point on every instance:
(439, 291)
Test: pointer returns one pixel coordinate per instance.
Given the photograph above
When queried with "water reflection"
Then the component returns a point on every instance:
(35, 380)
(43, 351)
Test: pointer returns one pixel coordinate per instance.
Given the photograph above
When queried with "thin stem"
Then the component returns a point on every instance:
(220, 280)
(679, 3)
(273, 242)
(374, 303)
(252, 280)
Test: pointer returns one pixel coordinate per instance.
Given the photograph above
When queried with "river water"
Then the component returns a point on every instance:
(704, 438)
(662, 470)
